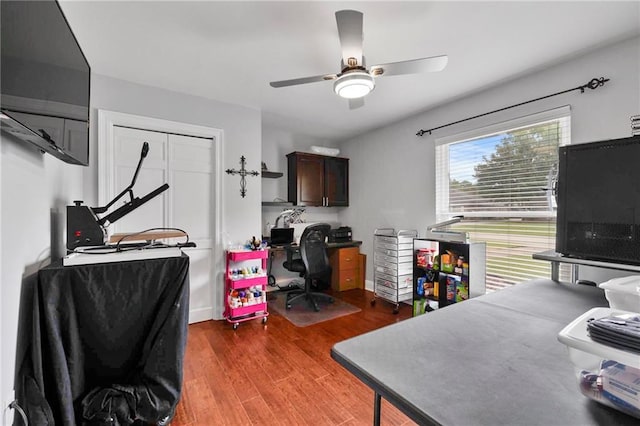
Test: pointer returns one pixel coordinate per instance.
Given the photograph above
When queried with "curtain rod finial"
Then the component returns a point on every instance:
(594, 83)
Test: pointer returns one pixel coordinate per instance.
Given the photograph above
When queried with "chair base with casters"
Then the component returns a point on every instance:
(312, 297)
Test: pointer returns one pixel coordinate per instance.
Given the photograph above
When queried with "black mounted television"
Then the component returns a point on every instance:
(44, 80)
(598, 194)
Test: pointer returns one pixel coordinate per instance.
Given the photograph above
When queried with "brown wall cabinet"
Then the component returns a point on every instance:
(317, 180)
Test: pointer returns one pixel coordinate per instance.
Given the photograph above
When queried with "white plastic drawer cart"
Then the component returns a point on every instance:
(246, 280)
(393, 265)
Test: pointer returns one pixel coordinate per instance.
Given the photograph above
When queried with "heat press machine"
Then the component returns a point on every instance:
(437, 231)
(84, 226)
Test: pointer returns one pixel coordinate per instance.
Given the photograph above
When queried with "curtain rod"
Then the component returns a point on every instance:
(593, 84)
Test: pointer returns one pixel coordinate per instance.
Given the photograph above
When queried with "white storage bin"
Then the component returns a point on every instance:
(386, 251)
(623, 293)
(382, 259)
(393, 265)
(587, 355)
(402, 281)
(394, 295)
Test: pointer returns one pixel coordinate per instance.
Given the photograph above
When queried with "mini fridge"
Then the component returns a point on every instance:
(446, 272)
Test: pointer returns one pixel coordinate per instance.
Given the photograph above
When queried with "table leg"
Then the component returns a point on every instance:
(555, 271)
(575, 275)
(376, 409)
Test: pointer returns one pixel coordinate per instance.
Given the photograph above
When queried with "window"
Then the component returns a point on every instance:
(499, 178)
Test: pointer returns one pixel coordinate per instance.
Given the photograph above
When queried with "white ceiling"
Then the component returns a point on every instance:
(230, 51)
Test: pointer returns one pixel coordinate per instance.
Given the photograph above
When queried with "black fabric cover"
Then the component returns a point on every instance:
(106, 343)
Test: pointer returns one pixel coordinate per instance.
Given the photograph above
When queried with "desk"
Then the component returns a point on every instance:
(291, 249)
(492, 360)
(330, 246)
(112, 332)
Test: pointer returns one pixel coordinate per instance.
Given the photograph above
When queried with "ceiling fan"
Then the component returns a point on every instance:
(355, 81)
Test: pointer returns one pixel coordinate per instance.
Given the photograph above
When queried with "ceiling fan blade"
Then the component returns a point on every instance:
(350, 33)
(414, 66)
(356, 103)
(305, 80)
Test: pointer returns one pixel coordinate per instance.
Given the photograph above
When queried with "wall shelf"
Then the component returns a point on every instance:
(276, 204)
(271, 175)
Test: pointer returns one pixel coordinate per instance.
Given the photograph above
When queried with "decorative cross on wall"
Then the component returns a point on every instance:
(243, 173)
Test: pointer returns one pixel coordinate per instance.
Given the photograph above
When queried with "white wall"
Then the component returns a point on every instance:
(242, 135)
(392, 180)
(277, 142)
(36, 189)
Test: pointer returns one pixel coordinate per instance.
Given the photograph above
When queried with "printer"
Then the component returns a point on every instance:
(342, 234)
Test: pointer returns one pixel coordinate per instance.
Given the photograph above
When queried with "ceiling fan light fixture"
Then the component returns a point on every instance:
(353, 85)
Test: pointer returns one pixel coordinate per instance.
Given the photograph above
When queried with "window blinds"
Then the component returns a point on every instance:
(500, 180)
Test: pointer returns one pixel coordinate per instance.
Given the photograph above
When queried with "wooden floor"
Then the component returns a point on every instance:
(281, 374)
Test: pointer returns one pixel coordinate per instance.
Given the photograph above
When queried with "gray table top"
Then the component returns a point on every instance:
(492, 360)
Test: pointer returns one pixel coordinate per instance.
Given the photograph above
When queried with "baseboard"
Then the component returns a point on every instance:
(200, 314)
(368, 285)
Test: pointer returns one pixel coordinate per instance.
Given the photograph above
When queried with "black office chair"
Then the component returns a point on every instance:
(313, 264)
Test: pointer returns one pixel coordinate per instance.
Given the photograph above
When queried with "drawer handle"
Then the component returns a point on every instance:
(348, 259)
(348, 279)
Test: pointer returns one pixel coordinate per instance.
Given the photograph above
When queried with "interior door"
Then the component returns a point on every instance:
(191, 179)
(128, 144)
(187, 164)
